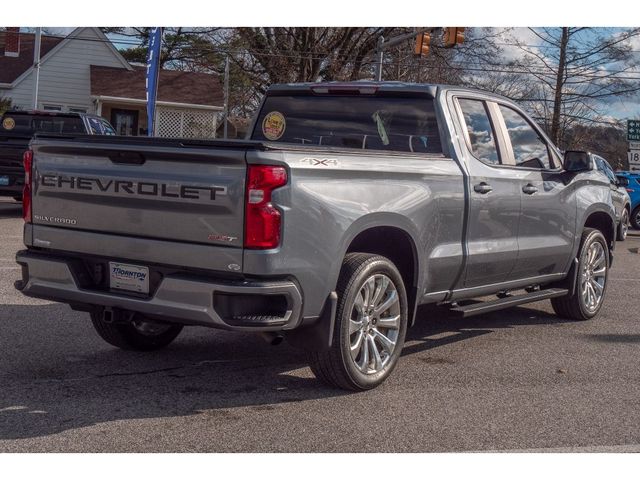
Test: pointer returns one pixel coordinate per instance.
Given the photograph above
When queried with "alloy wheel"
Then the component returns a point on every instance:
(374, 324)
(593, 277)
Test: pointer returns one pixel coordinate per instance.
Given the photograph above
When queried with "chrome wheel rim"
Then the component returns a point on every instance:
(374, 324)
(625, 224)
(594, 275)
(150, 328)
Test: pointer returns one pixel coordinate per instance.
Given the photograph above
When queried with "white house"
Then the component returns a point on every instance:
(84, 72)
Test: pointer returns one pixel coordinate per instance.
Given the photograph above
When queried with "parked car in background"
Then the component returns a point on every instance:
(17, 127)
(631, 183)
(619, 195)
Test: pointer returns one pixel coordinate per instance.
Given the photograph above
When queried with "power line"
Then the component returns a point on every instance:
(504, 68)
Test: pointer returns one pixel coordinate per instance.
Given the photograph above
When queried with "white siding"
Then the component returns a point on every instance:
(65, 77)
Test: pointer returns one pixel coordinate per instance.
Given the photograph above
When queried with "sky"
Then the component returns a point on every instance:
(615, 107)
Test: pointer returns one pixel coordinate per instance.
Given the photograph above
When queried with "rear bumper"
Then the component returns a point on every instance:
(189, 300)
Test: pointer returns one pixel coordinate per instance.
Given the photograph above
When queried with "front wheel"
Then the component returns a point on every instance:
(591, 285)
(623, 227)
(137, 334)
(371, 323)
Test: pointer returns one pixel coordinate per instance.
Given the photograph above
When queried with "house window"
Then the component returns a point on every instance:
(52, 108)
(77, 110)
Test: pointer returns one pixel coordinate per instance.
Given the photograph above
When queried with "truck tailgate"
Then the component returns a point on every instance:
(154, 189)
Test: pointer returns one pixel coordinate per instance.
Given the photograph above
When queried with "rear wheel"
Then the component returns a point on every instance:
(137, 334)
(635, 218)
(591, 285)
(371, 322)
(623, 227)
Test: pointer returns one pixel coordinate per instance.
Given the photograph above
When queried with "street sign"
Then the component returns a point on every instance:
(634, 158)
(634, 145)
(633, 130)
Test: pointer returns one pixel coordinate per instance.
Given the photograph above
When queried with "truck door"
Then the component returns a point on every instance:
(494, 203)
(547, 223)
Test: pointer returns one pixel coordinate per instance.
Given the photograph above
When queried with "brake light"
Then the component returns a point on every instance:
(345, 88)
(27, 161)
(262, 219)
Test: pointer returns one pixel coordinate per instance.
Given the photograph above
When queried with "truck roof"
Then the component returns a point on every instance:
(368, 86)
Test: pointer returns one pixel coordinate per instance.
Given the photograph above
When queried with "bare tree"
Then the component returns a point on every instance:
(575, 70)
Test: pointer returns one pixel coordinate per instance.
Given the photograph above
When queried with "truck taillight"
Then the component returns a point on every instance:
(27, 161)
(262, 219)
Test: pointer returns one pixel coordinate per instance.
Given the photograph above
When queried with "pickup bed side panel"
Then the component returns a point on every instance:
(333, 196)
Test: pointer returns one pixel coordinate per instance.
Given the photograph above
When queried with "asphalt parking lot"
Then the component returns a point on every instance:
(520, 379)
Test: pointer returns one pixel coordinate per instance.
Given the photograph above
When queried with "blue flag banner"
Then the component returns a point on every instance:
(153, 69)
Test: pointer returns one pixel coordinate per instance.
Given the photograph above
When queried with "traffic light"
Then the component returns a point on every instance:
(423, 42)
(453, 36)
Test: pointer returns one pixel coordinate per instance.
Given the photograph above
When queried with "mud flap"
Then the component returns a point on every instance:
(319, 335)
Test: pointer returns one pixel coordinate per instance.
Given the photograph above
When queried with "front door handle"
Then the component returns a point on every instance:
(482, 188)
(529, 189)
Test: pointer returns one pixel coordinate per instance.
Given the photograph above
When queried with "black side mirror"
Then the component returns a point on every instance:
(623, 181)
(577, 161)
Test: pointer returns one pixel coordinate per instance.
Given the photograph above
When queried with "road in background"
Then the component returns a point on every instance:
(519, 379)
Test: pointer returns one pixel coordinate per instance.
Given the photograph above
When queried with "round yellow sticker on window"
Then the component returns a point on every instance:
(273, 125)
(8, 123)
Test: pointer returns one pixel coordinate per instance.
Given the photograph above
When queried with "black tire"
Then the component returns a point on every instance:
(335, 366)
(574, 306)
(635, 218)
(127, 336)
(621, 233)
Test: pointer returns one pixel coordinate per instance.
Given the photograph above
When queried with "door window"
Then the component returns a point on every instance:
(529, 150)
(481, 133)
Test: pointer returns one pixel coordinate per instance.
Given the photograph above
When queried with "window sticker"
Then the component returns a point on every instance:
(273, 125)
(8, 123)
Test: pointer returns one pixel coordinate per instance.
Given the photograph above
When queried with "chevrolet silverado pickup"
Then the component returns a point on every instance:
(349, 205)
(17, 127)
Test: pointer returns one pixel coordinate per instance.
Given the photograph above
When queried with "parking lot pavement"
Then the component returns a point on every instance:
(520, 379)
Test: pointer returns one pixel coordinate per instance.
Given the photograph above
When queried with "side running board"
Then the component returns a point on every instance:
(506, 302)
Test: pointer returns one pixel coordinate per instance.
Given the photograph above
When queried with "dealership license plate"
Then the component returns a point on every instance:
(4, 181)
(133, 278)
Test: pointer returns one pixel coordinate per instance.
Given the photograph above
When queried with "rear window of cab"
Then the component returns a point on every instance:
(402, 124)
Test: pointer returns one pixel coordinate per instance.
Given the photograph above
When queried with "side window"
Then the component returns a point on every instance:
(529, 149)
(95, 126)
(608, 171)
(108, 129)
(481, 134)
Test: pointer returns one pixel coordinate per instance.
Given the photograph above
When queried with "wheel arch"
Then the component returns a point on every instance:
(603, 221)
(394, 238)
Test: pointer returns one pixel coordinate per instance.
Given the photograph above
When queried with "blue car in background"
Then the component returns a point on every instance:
(632, 181)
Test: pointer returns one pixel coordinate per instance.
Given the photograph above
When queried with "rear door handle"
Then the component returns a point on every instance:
(529, 189)
(482, 188)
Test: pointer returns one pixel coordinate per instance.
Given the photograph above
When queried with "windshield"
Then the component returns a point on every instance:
(366, 122)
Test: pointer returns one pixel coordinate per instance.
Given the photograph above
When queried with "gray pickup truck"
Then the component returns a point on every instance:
(350, 205)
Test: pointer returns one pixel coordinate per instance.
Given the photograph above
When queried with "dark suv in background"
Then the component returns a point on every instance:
(17, 127)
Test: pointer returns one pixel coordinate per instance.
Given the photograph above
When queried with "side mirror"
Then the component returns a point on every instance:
(577, 161)
(623, 181)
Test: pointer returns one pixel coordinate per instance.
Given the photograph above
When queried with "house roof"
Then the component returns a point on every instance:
(12, 67)
(173, 85)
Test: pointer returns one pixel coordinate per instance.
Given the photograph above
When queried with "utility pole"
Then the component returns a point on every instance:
(36, 66)
(383, 45)
(226, 95)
